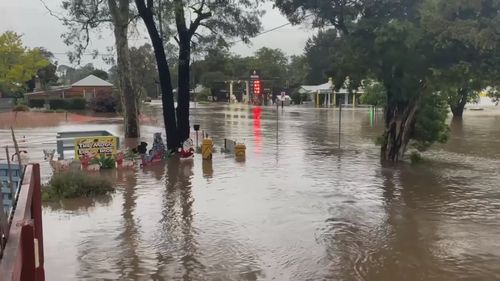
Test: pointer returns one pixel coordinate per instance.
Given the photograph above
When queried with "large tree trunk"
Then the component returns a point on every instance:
(183, 89)
(399, 125)
(167, 96)
(457, 107)
(120, 16)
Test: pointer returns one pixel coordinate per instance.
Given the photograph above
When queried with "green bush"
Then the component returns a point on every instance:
(21, 107)
(416, 158)
(203, 95)
(77, 104)
(58, 104)
(74, 184)
(298, 98)
(103, 103)
(36, 103)
(105, 162)
(69, 104)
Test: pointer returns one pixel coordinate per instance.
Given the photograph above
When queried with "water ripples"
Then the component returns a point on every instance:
(299, 208)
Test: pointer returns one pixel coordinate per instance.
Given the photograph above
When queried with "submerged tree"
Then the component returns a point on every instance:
(167, 97)
(210, 23)
(384, 41)
(467, 42)
(82, 17)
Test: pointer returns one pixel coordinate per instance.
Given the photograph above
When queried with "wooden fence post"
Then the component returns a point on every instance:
(27, 253)
(36, 213)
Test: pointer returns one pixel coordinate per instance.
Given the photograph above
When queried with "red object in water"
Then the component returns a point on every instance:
(187, 154)
(85, 160)
(119, 158)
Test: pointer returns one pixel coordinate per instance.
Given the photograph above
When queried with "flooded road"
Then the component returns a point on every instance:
(299, 208)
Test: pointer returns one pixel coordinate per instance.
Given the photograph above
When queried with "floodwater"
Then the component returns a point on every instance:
(300, 207)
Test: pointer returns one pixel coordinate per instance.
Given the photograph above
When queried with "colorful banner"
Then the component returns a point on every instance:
(96, 146)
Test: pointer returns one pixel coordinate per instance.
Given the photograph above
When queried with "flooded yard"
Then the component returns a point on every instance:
(300, 207)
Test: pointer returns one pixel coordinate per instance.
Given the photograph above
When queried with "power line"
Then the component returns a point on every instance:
(270, 30)
(233, 42)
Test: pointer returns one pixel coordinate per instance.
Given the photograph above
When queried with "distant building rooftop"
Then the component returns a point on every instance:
(92, 81)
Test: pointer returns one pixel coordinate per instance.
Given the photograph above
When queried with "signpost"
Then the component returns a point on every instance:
(256, 88)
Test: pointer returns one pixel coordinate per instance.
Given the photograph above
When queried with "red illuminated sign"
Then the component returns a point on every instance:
(257, 87)
(255, 84)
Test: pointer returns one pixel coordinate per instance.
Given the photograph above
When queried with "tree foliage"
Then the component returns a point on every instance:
(70, 75)
(144, 71)
(271, 63)
(46, 76)
(384, 41)
(18, 64)
(318, 50)
(466, 42)
(374, 94)
(84, 16)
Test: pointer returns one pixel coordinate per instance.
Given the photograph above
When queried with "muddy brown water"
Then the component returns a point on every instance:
(298, 208)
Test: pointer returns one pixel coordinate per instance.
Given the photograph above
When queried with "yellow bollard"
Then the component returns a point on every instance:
(206, 148)
(239, 150)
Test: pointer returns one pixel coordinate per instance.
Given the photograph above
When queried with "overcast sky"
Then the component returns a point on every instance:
(40, 29)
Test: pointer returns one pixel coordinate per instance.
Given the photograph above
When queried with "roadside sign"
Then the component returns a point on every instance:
(96, 146)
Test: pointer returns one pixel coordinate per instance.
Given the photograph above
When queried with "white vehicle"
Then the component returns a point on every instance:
(285, 99)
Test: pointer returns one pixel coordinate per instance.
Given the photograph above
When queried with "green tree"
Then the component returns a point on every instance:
(84, 16)
(70, 75)
(18, 63)
(47, 76)
(271, 63)
(383, 41)
(374, 94)
(145, 74)
(297, 71)
(467, 43)
(210, 22)
(100, 73)
(318, 50)
(146, 11)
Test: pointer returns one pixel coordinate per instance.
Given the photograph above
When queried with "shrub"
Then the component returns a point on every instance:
(105, 162)
(69, 104)
(77, 104)
(103, 103)
(58, 104)
(75, 184)
(416, 158)
(21, 107)
(36, 103)
(298, 98)
(203, 95)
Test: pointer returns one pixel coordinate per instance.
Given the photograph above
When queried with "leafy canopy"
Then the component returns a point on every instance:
(18, 64)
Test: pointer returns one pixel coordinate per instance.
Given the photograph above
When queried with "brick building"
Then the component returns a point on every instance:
(87, 88)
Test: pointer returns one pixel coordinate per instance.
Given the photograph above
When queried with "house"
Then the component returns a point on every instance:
(87, 88)
(324, 94)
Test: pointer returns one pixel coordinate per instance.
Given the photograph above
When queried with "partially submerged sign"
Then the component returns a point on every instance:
(96, 146)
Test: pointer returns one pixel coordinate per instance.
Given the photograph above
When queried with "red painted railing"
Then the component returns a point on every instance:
(22, 259)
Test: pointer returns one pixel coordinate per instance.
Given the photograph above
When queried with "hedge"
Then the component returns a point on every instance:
(36, 103)
(68, 104)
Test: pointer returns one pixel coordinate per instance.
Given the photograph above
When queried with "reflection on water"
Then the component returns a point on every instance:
(298, 208)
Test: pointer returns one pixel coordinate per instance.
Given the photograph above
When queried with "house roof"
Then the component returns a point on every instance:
(92, 81)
